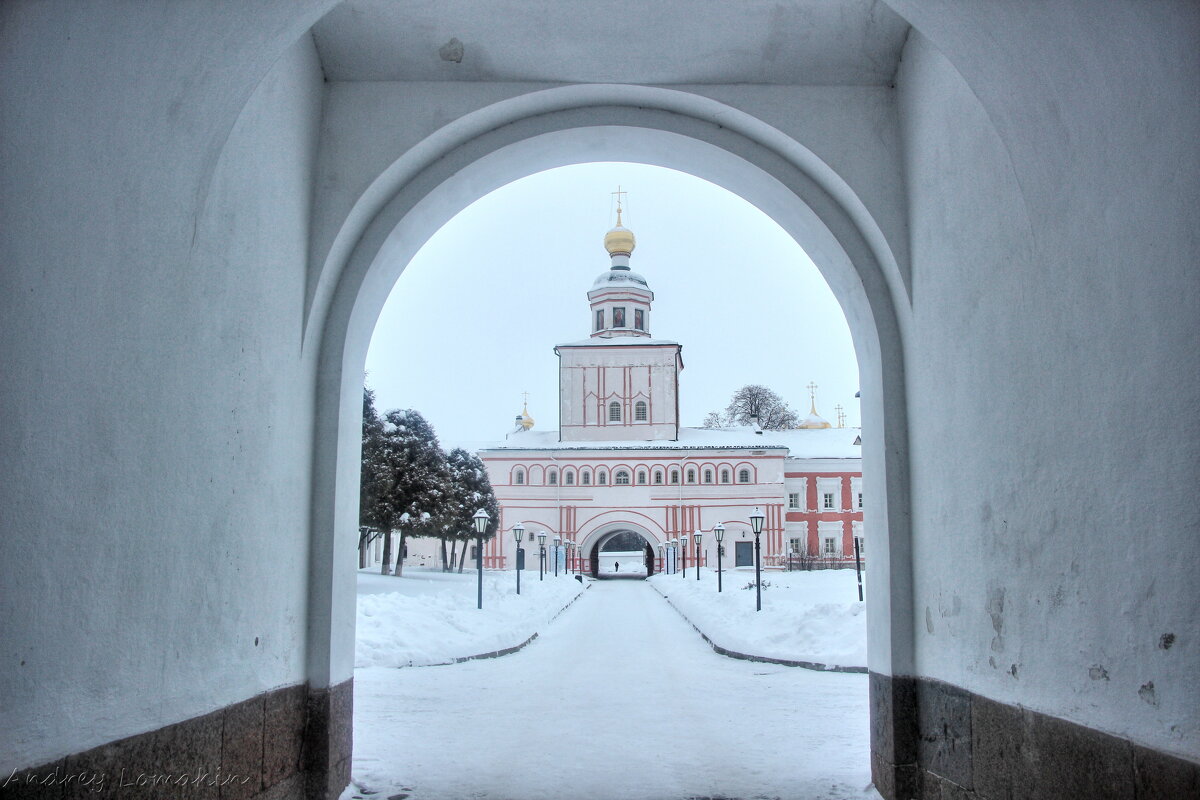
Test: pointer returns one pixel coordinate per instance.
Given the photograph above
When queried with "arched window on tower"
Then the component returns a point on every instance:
(743, 476)
(639, 411)
(599, 319)
(614, 411)
(621, 478)
(519, 477)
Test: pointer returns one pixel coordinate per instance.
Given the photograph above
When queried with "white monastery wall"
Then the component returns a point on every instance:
(156, 405)
(590, 378)
(1045, 361)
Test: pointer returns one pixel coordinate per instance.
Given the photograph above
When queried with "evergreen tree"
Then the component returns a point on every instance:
(417, 475)
(468, 490)
(373, 483)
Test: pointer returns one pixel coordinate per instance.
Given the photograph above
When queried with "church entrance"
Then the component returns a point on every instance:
(623, 554)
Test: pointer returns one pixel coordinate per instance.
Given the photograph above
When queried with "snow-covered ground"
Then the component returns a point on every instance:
(617, 698)
(430, 617)
(806, 616)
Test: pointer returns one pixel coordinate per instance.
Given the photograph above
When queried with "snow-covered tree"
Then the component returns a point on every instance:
(373, 484)
(468, 490)
(757, 400)
(416, 475)
(713, 421)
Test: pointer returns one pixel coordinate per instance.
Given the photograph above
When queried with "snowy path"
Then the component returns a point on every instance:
(618, 698)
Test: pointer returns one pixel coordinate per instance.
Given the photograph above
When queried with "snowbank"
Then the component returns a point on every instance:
(806, 616)
(429, 617)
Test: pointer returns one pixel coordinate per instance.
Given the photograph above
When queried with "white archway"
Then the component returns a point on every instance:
(430, 183)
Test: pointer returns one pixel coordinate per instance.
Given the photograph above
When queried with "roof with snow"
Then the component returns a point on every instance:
(828, 443)
(600, 341)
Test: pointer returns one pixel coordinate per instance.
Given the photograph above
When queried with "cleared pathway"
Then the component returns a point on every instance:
(618, 698)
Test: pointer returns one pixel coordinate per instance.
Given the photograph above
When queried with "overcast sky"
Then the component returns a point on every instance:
(472, 322)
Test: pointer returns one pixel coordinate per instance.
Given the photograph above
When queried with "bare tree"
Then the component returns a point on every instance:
(757, 401)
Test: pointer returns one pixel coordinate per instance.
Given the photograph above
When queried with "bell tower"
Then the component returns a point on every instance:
(620, 384)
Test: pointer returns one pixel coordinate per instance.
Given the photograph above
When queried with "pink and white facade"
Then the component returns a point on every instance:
(620, 461)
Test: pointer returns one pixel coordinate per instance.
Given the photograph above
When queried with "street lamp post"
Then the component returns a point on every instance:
(696, 538)
(756, 523)
(481, 519)
(557, 544)
(719, 532)
(518, 534)
(541, 555)
(683, 542)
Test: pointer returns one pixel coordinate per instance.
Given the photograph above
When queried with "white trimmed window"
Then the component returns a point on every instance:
(828, 494)
(552, 477)
(602, 478)
(639, 411)
(519, 477)
(708, 475)
(614, 411)
(724, 476)
(658, 477)
(587, 479)
(569, 479)
(641, 476)
(829, 534)
(691, 476)
(856, 493)
(674, 477)
(621, 478)
(743, 476)
(793, 501)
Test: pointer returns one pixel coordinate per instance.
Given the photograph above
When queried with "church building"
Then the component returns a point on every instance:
(622, 469)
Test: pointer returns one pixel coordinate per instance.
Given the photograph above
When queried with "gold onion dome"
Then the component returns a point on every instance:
(619, 240)
(523, 419)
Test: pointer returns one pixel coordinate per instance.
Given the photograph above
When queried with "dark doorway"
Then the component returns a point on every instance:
(744, 554)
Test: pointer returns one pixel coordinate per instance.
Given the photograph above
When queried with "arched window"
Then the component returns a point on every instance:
(724, 476)
(641, 476)
(621, 478)
(658, 477)
(743, 476)
(569, 478)
(708, 476)
(691, 476)
(519, 477)
(639, 411)
(674, 477)
(602, 478)
(614, 411)
(587, 479)
(552, 477)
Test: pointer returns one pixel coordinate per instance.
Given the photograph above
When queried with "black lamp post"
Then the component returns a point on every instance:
(541, 555)
(557, 544)
(683, 541)
(719, 532)
(756, 523)
(518, 535)
(696, 538)
(481, 522)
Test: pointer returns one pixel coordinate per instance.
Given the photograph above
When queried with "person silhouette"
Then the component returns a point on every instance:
(616, 566)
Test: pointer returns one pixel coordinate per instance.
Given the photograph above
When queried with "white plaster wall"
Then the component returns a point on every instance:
(1053, 371)
(624, 373)
(156, 405)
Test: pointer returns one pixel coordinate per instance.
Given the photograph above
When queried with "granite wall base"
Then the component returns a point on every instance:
(934, 741)
(292, 743)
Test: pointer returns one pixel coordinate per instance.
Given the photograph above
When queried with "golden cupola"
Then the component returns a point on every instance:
(619, 241)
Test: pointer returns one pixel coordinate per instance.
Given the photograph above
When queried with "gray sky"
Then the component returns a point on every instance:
(472, 321)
